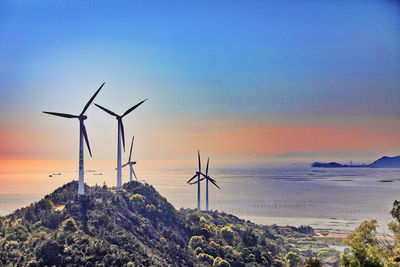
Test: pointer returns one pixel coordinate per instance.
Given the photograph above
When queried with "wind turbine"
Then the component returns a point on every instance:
(208, 178)
(197, 174)
(131, 163)
(120, 134)
(82, 134)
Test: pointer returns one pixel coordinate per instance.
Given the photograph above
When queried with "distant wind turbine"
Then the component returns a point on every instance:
(120, 134)
(197, 174)
(208, 178)
(82, 134)
(131, 163)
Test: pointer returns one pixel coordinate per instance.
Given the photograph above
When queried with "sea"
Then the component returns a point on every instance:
(336, 200)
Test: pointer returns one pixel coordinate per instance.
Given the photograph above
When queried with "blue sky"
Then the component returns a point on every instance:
(258, 63)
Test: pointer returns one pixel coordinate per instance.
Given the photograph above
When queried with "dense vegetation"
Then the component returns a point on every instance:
(138, 227)
(367, 249)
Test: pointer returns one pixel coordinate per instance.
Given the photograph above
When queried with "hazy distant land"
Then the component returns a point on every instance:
(383, 162)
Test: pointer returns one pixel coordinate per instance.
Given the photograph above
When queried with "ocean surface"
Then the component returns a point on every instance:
(337, 200)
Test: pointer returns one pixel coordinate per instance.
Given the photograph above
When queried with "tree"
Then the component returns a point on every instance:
(228, 234)
(196, 241)
(395, 212)
(365, 249)
(249, 238)
(293, 259)
(49, 253)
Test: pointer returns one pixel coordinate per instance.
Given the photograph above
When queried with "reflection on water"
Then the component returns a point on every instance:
(293, 194)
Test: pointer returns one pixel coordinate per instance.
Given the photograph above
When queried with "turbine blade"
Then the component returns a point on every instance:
(192, 178)
(86, 138)
(64, 115)
(130, 153)
(132, 108)
(208, 160)
(134, 174)
(207, 177)
(106, 110)
(91, 100)
(124, 165)
(198, 155)
(197, 181)
(212, 181)
(203, 174)
(122, 132)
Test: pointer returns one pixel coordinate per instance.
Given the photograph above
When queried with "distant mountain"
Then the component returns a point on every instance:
(138, 227)
(386, 162)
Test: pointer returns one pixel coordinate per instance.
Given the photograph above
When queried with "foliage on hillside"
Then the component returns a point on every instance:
(223, 236)
(138, 227)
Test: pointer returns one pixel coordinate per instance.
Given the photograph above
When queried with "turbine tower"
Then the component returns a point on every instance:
(82, 134)
(121, 134)
(208, 178)
(131, 163)
(198, 181)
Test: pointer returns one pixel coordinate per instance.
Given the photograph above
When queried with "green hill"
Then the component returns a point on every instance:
(138, 227)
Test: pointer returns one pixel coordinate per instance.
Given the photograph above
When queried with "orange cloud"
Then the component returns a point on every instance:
(246, 142)
(267, 141)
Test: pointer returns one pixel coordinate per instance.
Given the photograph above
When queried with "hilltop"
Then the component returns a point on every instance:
(138, 227)
(386, 162)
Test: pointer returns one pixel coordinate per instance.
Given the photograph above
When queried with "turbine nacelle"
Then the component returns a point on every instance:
(119, 118)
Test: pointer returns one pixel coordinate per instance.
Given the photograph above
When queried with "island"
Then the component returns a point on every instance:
(383, 162)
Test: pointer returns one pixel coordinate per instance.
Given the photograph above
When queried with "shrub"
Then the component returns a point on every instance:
(278, 263)
(227, 233)
(219, 262)
(202, 220)
(196, 241)
(17, 233)
(69, 225)
(323, 254)
(138, 198)
(204, 232)
(205, 257)
(313, 263)
(198, 250)
(192, 218)
(150, 208)
(49, 253)
(293, 259)
(44, 204)
(249, 238)
(216, 245)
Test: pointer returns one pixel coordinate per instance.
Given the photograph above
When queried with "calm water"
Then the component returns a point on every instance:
(294, 194)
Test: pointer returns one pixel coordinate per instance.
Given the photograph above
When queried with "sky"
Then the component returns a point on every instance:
(236, 79)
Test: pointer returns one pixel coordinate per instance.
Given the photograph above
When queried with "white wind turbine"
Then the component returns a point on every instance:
(121, 134)
(82, 134)
(131, 163)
